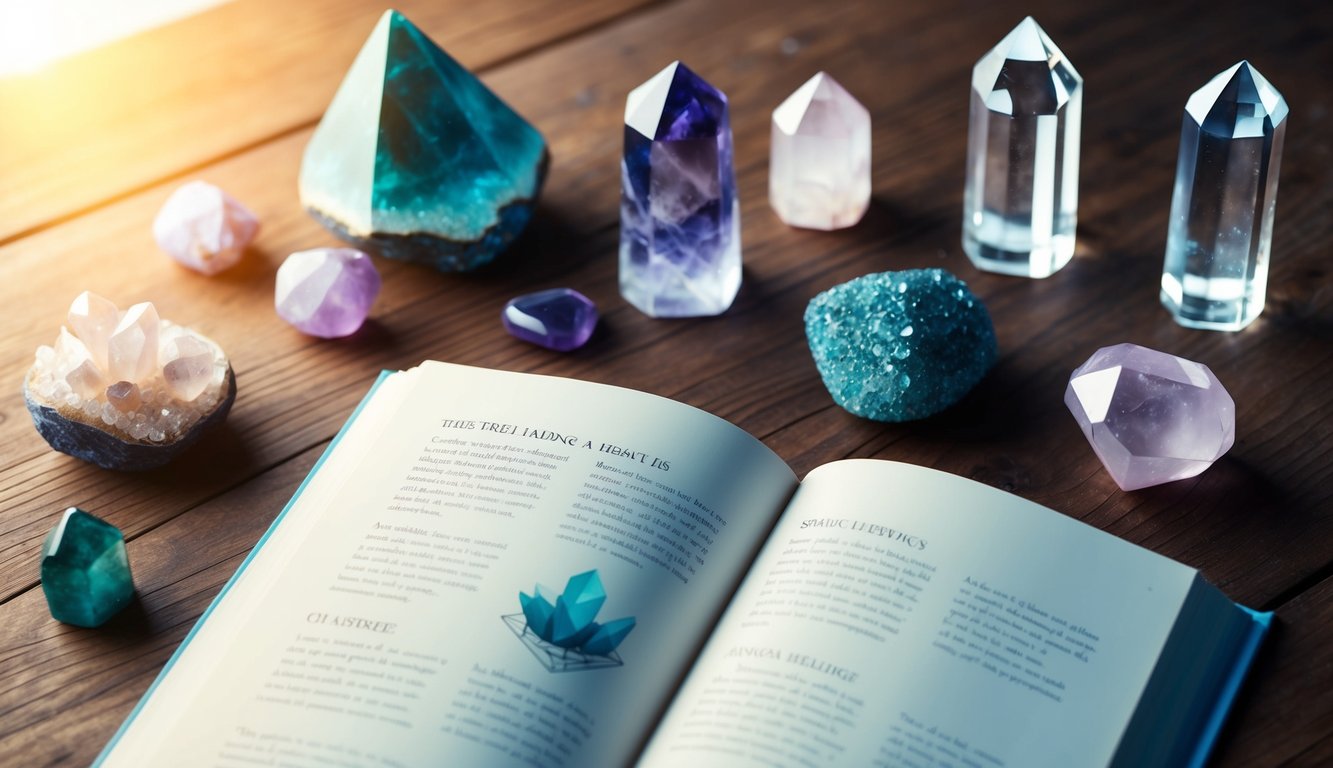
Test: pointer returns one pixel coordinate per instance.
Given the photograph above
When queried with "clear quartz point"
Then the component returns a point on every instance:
(132, 348)
(187, 365)
(1216, 269)
(1020, 203)
(93, 319)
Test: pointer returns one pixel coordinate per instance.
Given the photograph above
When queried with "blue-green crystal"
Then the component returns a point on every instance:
(898, 346)
(416, 159)
(608, 636)
(85, 570)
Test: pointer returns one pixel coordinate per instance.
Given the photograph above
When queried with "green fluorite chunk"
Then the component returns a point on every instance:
(85, 571)
(416, 159)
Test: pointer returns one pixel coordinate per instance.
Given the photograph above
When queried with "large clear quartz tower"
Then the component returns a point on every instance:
(1020, 205)
(1216, 269)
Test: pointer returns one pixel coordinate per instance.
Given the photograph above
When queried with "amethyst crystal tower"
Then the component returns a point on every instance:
(680, 227)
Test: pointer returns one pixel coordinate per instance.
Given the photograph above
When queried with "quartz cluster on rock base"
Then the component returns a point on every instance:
(126, 389)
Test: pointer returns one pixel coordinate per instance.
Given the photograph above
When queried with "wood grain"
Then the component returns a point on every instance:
(178, 97)
(1259, 523)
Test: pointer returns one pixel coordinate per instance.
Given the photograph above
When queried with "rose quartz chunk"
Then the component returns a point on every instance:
(204, 228)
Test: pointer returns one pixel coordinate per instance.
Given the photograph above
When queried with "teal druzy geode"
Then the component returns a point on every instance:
(85, 570)
(417, 159)
(898, 346)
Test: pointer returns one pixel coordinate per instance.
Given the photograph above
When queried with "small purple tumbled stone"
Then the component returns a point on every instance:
(326, 292)
(1151, 417)
(561, 318)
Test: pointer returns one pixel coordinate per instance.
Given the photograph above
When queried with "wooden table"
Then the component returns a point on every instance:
(91, 148)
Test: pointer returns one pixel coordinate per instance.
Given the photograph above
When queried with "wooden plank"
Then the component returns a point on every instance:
(1285, 713)
(168, 101)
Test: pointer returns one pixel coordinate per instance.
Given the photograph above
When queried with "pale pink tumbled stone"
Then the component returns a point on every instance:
(204, 228)
(1151, 417)
(819, 167)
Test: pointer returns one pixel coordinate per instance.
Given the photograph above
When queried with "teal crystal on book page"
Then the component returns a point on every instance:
(564, 635)
(416, 159)
(1215, 273)
(85, 570)
(1020, 203)
(680, 223)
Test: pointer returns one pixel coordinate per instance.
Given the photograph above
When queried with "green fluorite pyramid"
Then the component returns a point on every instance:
(416, 159)
(85, 570)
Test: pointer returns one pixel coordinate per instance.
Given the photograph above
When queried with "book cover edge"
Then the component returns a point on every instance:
(1262, 622)
(171, 662)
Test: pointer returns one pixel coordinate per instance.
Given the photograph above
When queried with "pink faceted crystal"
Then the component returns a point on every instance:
(204, 228)
(819, 164)
(1151, 417)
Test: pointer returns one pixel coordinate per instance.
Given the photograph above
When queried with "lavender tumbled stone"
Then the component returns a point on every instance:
(1151, 417)
(326, 292)
(898, 346)
(561, 318)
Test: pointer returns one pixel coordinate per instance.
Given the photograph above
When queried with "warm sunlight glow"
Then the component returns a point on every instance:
(34, 33)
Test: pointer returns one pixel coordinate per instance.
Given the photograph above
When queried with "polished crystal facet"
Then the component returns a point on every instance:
(124, 396)
(561, 318)
(132, 348)
(187, 365)
(1216, 269)
(416, 159)
(93, 319)
(85, 570)
(680, 226)
(326, 292)
(1020, 204)
(204, 228)
(1151, 417)
(819, 167)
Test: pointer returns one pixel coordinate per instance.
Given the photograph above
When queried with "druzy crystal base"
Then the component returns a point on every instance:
(1020, 203)
(680, 226)
(898, 346)
(1215, 273)
(1151, 417)
(85, 570)
(126, 390)
(416, 159)
(819, 163)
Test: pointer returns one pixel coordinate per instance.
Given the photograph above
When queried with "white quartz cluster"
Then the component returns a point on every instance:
(130, 371)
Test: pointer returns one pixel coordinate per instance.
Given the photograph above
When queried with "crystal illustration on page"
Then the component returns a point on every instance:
(562, 633)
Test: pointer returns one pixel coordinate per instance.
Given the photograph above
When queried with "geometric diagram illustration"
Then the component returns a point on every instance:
(563, 635)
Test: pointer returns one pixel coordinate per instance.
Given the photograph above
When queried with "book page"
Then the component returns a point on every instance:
(900, 616)
(381, 624)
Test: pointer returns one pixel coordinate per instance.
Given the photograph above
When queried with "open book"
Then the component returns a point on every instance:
(699, 607)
